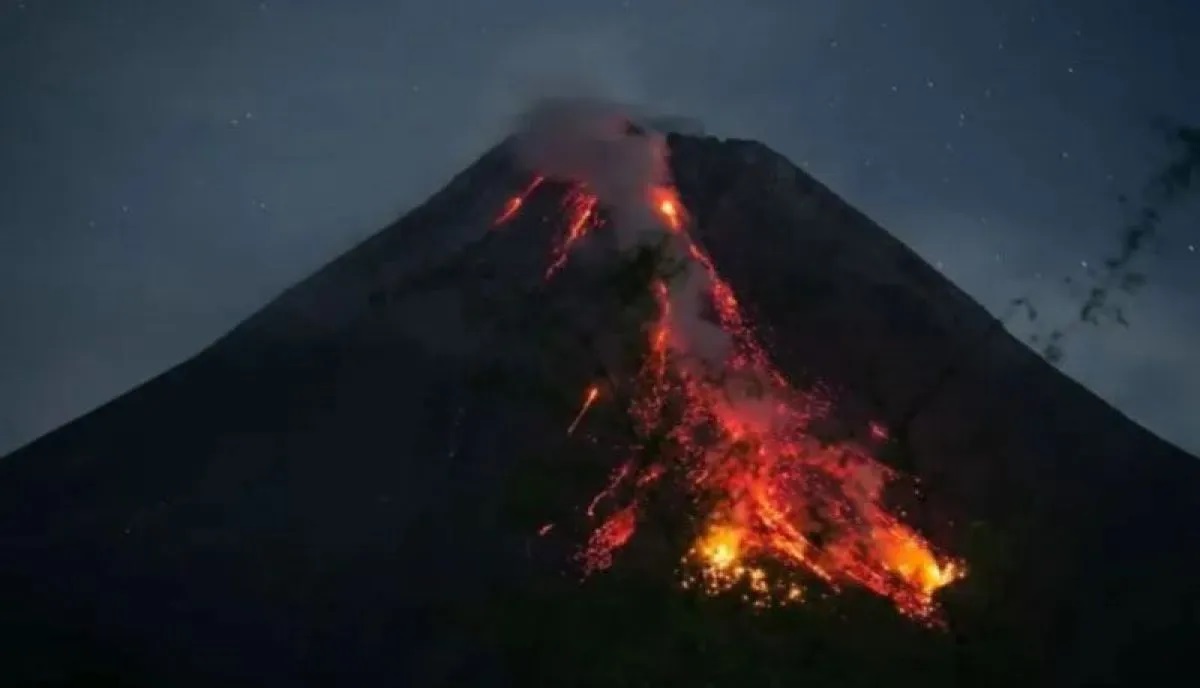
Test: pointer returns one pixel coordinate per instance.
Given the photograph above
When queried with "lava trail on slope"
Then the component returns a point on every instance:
(776, 506)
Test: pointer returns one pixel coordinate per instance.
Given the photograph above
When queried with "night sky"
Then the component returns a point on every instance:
(167, 168)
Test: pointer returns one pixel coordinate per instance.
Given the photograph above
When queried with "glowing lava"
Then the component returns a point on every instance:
(581, 209)
(780, 505)
(720, 547)
(666, 203)
(588, 400)
(514, 204)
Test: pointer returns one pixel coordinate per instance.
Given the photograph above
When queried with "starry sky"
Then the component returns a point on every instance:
(169, 167)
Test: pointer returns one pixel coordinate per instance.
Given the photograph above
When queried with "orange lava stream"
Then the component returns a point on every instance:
(581, 208)
(514, 204)
(779, 504)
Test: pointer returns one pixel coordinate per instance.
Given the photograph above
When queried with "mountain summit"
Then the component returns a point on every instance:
(614, 408)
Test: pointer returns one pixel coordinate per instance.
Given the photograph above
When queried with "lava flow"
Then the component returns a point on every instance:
(778, 506)
(514, 204)
(581, 208)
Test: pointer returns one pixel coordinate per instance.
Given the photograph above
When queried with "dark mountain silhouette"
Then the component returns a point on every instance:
(344, 490)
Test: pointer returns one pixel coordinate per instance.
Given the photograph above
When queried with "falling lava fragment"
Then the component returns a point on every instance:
(784, 505)
(514, 204)
(588, 400)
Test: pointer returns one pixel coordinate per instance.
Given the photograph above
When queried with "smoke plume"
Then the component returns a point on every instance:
(600, 144)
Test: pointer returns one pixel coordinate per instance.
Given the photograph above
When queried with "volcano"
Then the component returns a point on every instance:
(615, 407)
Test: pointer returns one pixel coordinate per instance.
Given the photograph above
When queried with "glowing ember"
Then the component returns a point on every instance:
(588, 400)
(611, 536)
(878, 431)
(783, 504)
(718, 556)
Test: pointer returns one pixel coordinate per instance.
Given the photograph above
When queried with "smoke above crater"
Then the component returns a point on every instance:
(740, 431)
(622, 161)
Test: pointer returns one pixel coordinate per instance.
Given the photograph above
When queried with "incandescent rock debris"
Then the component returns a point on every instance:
(616, 407)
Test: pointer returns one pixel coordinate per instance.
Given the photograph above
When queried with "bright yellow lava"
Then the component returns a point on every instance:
(720, 547)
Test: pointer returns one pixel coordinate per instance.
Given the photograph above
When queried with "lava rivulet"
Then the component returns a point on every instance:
(514, 204)
(581, 208)
(778, 506)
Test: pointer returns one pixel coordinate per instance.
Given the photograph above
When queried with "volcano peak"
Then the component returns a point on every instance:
(676, 362)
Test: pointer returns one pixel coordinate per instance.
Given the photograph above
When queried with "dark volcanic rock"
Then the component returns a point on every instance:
(1097, 510)
(338, 492)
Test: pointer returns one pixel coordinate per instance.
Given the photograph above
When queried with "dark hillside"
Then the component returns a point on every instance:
(346, 489)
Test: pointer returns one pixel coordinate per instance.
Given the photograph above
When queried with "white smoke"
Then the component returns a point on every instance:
(589, 141)
(586, 140)
(693, 331)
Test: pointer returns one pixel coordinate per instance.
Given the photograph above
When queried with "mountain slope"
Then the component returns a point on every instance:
(346, 487)
(1097, 511)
